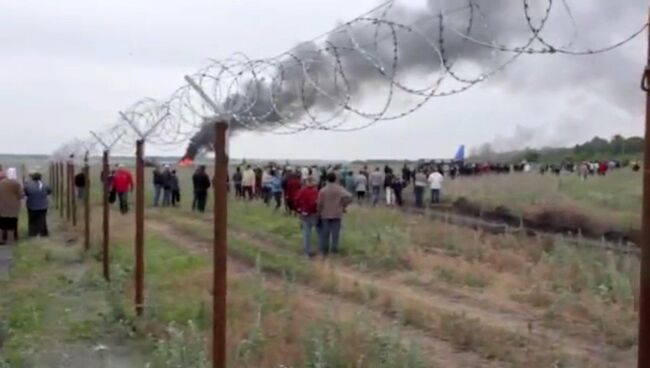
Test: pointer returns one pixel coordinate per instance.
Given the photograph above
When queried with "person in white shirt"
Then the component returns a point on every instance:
(435, 183)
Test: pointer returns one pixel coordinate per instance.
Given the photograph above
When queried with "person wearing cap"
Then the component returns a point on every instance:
(306, 206)
(36, 193)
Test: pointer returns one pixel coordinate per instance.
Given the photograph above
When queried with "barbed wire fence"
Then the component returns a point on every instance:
(382, 65)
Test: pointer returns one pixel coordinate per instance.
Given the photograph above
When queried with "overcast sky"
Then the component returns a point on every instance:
(68, 66)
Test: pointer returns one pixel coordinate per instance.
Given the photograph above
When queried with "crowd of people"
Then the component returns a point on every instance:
(34, 192)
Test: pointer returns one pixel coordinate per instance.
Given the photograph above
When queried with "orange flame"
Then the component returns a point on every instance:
(186, 161)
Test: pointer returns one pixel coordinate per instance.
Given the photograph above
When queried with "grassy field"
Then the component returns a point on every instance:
(615, 198)
(405, 292)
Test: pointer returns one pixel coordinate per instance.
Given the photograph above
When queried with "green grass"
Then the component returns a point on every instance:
(615, 198)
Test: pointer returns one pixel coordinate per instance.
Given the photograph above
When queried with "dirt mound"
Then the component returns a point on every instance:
(547, 219)
(466, 207)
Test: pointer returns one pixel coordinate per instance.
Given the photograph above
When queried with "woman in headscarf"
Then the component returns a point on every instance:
(37, 204)
(10, 195)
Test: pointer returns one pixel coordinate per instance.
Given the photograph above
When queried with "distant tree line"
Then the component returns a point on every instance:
(617, 148)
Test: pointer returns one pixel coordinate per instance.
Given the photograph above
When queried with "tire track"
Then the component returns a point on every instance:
(440, 352)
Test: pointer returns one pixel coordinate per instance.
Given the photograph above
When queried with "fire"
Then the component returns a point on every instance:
(186, 161)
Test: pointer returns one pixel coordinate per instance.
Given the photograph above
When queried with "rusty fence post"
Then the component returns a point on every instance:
(220, 244)
(86, 198)
(68, 201)
(62, 181)
(73, 195)
(139, 227)
(644, 298)
(55, 185)
(105, 218)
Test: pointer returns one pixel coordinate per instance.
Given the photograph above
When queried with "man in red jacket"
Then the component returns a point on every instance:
(306, 206)
(123, 184)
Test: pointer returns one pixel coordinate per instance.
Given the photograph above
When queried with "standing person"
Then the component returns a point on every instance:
(275, 188)
(292, 188)
(175, 189)
(305, 174)
(602, 168)
(10, 195)
(248, 182)
(406, 175)
(123, 184)
(157, 186)
(350, 182)
(361, 185)
(322, 180)
(37, 204)
(80, 184)
(389, 178)
(331, 203)
(201, 183)
(238, 178)
(435, 183)
(398, 185)
(167, 186)
(420, 184)
(307, 208)
(376, 180)
(266, 187)
(259, 186)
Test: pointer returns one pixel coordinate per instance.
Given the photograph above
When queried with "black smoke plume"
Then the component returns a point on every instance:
(286, 94)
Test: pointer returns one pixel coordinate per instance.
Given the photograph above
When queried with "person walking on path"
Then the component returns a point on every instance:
(389, 178)
(201, 183)
(157, 186)
(435, 183)
(307, 208)
(360, 186)
(292, 188)
(248, 182)
(237, 179)
(259, 182)
(419, 186)
(274, 185)
(123, 184)
(376, 181)
(37, 204)
(11, 194)
(175, 189)
(332, 201)
(266, 187)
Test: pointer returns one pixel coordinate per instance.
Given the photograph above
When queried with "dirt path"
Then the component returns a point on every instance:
(498, 313)
(440, 352)
(576, 341)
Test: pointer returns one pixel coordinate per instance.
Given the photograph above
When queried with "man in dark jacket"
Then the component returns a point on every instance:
(157, 186)
(237, 178)
(80, 184)
(167, 186)
(175, 189)
(36, 193)
(201, 182)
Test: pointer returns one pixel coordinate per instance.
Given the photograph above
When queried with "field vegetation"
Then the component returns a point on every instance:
(405, 292)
